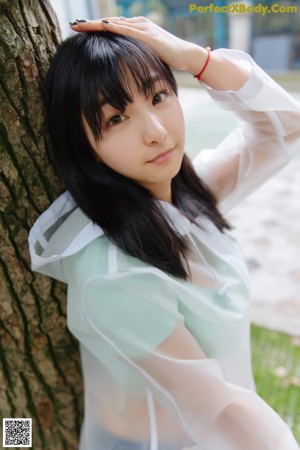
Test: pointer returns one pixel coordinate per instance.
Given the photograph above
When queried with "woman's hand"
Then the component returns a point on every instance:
(175, 52)
(220, 74)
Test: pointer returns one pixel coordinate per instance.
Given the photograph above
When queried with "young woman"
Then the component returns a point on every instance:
(157, 286)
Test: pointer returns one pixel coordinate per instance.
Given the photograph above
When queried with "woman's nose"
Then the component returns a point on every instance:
(154, 132)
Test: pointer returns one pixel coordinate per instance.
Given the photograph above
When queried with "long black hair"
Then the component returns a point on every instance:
(92, 66)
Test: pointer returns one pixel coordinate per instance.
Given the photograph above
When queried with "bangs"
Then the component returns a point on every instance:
(110, 65)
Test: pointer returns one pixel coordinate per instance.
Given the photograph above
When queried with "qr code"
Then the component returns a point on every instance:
(17, 433)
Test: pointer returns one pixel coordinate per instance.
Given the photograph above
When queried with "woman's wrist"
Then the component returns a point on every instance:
(199, 75)
(195, 58)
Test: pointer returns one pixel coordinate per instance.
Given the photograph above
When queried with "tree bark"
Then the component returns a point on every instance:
(40, 375)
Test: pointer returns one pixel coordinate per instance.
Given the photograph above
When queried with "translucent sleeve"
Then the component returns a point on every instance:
(142, 324)
(266, 139)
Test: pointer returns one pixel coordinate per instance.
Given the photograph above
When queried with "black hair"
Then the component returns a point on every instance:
(90, 67)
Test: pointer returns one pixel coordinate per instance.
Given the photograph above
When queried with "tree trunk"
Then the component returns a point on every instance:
(40, 375)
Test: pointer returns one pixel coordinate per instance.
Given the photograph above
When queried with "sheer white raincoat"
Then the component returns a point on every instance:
(166, 363)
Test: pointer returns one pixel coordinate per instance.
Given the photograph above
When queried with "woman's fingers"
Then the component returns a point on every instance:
(89, 25)
(118, 25)
(99, 25)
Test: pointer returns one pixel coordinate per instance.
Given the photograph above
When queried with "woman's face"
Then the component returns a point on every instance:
(146, 141)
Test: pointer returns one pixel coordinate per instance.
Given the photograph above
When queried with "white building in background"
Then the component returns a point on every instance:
(240, 29)
(69, 10)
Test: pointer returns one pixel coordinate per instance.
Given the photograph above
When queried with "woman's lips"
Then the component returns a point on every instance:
(162, 157)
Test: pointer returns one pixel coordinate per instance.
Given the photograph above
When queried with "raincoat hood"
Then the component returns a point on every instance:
(61, 231)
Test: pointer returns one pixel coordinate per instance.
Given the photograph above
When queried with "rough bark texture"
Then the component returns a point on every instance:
(40, 375)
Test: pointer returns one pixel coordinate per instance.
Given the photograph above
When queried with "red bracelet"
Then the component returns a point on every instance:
(205, 65)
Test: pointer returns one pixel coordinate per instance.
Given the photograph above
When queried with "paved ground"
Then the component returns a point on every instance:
(267, 222)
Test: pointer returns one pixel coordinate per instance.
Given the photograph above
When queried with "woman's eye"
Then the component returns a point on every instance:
(116, 119)
(160, 97)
